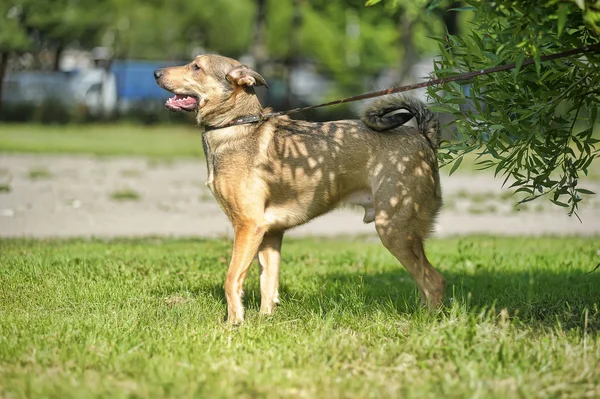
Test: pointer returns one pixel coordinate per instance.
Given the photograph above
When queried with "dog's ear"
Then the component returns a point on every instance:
(244, 76)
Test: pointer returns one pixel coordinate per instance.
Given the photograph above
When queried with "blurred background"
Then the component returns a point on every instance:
(81, 60)
(87, 148)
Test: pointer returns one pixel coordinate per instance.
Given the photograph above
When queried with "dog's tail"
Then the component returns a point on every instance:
(380, 116)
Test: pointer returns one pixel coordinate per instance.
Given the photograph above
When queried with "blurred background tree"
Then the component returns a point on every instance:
(54, 25)
(45, 29)
(174, 30)
(344, 41)
(13, 37)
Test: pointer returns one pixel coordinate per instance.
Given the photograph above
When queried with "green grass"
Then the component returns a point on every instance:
(153, 141)
(39, 174)
(145, 318)
(126, 194)
(131, 173)
(480, 209)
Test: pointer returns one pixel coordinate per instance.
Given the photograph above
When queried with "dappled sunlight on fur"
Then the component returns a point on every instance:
(280, 173)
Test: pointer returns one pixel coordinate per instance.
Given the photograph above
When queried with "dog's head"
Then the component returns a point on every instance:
(207, 82)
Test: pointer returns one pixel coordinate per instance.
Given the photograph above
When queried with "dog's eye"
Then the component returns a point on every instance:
(195, 67)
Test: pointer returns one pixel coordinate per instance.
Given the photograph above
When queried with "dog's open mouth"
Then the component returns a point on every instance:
(181, 102)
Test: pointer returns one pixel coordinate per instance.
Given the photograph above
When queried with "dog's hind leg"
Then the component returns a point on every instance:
(402, 234)
(269, 257)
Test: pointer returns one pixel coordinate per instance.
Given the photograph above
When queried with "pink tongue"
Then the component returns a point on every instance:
(182, 101)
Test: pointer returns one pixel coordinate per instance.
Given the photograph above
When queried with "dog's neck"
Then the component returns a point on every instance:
(240, 103)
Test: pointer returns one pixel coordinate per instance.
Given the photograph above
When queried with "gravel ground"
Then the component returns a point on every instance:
(84, 196)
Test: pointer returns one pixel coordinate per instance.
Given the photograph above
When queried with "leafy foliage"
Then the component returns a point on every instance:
(160, 30)
(13, 36)
(62, 22)
(344, 39)
(534, 125)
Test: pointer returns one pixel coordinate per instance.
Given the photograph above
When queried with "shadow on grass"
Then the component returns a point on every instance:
(535, 299)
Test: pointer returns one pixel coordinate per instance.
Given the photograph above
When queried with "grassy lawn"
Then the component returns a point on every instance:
(144, 318)
(121, 139)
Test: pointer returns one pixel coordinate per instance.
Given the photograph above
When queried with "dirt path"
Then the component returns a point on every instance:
(47, 196)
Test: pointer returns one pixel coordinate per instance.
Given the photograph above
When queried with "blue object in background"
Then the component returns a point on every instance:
(135, 80)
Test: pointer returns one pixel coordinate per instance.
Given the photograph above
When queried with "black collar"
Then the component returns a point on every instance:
(240, 121)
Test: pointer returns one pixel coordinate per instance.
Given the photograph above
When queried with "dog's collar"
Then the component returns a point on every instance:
(244, 120)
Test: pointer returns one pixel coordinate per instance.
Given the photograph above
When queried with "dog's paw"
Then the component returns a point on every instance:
(267, 309)
(235, 316)
(235, 322)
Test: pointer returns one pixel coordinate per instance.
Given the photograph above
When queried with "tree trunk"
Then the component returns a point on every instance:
(3, 66)
(451, 19)
(293, 51)
(405, 29)
(57, 54)
(259, 49)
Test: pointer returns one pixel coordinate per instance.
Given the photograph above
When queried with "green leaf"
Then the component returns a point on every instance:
(524, 190)
(562, 18)
(457, 100)
(556, 202)
(441, 108)
(535, 51)
(455, 165)
(466, 8)
(584, 191)
(593, 115)
(433, 5)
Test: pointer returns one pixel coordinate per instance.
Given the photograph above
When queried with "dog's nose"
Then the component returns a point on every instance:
(158, 73)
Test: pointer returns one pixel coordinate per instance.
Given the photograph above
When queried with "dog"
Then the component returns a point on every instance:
(279, 173)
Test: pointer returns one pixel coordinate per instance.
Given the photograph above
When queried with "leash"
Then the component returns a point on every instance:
(399, 89)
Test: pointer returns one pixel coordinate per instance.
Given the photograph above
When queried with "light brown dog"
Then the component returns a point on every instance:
(276, 174)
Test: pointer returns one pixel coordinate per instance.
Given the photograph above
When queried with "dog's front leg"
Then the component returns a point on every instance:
(248, 237)
(269, 257)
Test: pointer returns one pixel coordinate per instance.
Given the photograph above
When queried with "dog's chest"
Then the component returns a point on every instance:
(212, 181)
(210, 165)
(220, 179)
